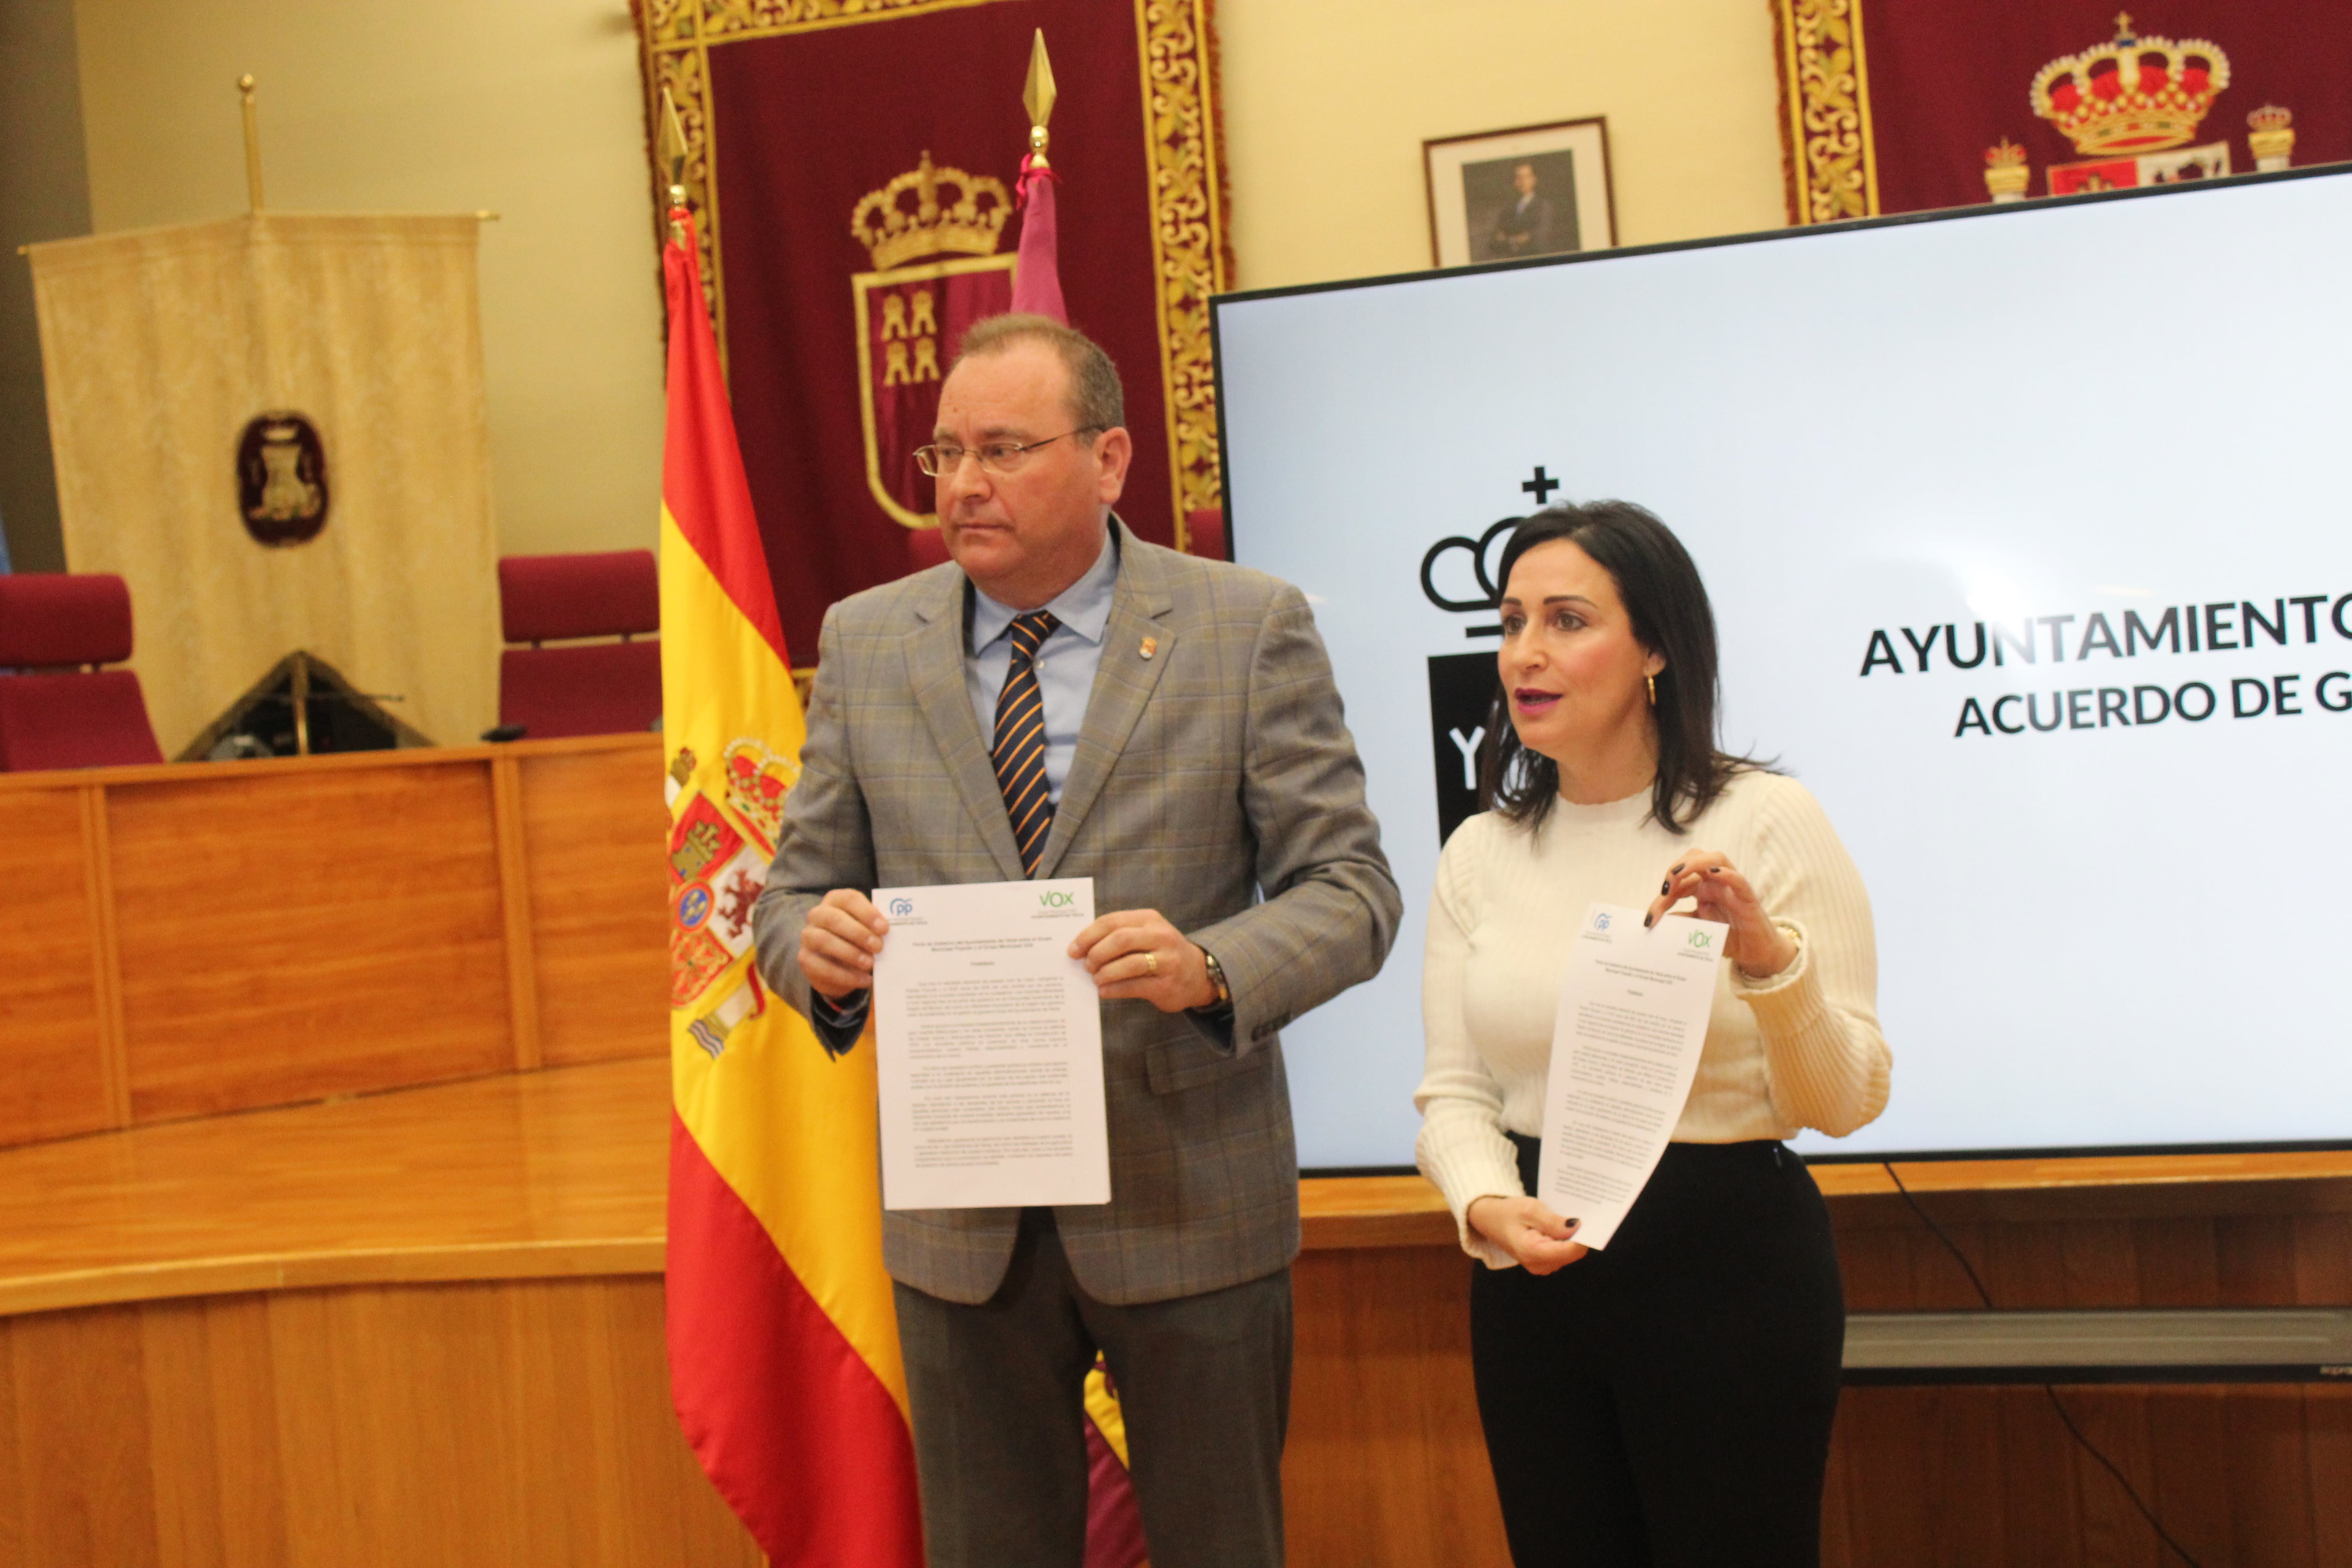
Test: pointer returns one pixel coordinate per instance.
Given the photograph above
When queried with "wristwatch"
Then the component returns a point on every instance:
(1217, 978)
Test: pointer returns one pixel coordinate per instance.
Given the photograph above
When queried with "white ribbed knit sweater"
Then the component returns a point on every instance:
(1800, 1049)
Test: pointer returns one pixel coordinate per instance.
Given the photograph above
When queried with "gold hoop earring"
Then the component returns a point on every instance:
(1653, 689)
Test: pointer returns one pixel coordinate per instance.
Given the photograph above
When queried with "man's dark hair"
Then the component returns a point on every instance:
(1096, 402)
(1666, 602)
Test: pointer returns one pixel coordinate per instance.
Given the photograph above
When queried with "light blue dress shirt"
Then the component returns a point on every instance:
(1066, 662)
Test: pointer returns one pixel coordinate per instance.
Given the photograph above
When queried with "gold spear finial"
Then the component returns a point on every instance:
(669, 147)
(1038, 98)
(669, 153)
(252, 142)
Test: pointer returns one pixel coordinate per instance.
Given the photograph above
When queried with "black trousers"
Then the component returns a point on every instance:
(1666, 1403)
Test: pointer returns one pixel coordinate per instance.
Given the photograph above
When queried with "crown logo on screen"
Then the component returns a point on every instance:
(2132, 94)
(930, 211)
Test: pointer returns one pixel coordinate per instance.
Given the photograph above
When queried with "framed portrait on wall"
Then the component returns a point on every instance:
(1537, 190)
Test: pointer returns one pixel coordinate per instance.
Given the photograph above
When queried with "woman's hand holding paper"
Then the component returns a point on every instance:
(1707, 878)
(1536, 1238)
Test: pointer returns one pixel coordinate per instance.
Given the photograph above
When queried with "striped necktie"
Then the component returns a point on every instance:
(1020, 749)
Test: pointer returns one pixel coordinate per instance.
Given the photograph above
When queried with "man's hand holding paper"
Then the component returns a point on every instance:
(987, 1049)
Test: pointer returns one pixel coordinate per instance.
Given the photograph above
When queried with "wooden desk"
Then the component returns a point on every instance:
(198, 938)
(438, 1311)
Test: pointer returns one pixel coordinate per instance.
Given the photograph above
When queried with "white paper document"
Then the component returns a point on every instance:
(988, 1045)
(1633, 1021)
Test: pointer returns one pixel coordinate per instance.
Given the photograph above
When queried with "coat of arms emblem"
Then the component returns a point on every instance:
(2130, 106)
(281, 479)
(932, 234)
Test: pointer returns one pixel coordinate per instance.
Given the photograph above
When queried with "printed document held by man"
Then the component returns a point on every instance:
(988, 1040)
(1632, 1022)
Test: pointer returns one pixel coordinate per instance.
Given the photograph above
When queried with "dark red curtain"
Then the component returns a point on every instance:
(1948, 79)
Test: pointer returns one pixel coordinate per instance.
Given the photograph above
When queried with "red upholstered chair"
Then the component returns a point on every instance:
(588, 688)
(53, 714)
(926, 547)
(1205, 533)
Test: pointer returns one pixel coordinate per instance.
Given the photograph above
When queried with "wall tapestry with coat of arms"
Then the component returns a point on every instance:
(852, 166)
(1892, 106)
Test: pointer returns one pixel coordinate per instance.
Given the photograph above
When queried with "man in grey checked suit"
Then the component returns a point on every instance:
(1194, 764)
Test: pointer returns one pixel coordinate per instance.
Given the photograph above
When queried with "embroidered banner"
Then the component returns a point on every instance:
(1938, 103)
(851, 167)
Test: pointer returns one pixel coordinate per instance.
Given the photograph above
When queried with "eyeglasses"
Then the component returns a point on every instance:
(995, 457)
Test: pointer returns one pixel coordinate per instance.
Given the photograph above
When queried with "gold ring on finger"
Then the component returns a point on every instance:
(1151, 963)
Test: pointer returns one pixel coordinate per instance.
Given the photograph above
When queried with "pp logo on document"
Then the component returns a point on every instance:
(902, 907)
(1601, 920)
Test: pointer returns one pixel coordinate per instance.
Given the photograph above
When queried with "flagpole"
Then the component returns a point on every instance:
(1038, 98)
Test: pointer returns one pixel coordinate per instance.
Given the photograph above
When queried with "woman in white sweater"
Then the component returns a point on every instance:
(1667, 1399)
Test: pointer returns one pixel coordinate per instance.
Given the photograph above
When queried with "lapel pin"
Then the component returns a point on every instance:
(1150, 645)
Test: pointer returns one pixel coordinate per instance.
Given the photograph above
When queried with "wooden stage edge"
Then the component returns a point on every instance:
(560, 1173)
(424, 1328)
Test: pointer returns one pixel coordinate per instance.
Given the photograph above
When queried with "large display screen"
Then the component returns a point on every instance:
(2029, 534)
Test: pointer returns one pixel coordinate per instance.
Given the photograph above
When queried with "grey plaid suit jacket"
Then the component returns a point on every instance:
(1217, 769)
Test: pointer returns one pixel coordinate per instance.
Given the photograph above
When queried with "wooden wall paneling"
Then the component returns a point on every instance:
(82, 1440)
(1837, 1509)
(594, 831)
(1386, 1463)
(2111, 1529)
(492, 1423)
(2328, 1434)
(306, 934)
(2099, 1263)
(624, 1489)
(2042, 1487)
(673, 1511)
(213, 1420)
(2271, 1518)
(2188, 1433)
(1988, 1478)
(572, 1506)
(1882, 1443)
(2323, 1261)
(2178, 1261)
(2241, 1474)
(16, 1500)
(514, 906)
(53, 1080)
(2023, 1264)
(2257, 1261)
(1972, 1522)
(106, 956)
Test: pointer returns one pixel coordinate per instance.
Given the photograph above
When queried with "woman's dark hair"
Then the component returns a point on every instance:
(1667, 606)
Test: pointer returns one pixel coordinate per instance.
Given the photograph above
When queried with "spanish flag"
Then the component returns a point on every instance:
(784, 1343)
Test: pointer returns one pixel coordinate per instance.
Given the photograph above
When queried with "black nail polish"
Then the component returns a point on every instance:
(1649, 921)
(1663, 886)
(1676, 872)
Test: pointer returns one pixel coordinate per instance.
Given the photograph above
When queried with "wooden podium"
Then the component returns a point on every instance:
(187, 939)
(334, 1230)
